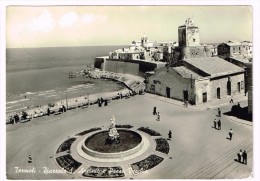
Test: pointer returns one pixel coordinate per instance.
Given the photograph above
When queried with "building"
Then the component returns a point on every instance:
(235, 49)
(194, 75)
(142, 56)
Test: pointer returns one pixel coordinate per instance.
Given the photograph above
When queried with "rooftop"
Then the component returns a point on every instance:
(186, 73)
(214, 66)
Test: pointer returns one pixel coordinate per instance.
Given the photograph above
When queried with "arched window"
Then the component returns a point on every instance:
(228, 87)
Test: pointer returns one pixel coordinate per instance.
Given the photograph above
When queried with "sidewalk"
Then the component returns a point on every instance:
(203, 106)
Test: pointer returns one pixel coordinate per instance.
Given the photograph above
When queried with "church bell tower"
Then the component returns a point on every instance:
(188, 34)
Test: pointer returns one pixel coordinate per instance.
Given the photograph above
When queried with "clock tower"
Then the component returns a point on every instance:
(188, 34)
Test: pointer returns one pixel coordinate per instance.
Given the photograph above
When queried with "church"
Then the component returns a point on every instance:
(193, 75)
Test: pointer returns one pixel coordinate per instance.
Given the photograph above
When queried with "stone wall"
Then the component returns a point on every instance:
(222, 84)
(157, 84)
(202, 86)
(121, 67)
(194, 52)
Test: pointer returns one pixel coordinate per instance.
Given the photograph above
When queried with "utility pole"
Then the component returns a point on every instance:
(67, 100)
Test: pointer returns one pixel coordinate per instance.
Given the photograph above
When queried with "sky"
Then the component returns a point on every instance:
(57, 26)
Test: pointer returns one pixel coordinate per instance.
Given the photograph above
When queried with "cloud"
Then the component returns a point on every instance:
(68, 19)
(43, 22)
(90, 18)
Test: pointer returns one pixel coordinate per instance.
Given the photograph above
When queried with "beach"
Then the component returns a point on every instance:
(40, 76)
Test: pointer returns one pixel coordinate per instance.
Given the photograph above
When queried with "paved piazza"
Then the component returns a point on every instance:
(196, 150)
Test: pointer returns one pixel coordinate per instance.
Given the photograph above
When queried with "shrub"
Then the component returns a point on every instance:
(68, 163)
(146, 164)
(65, 146)
(149, 131)
(162, 145)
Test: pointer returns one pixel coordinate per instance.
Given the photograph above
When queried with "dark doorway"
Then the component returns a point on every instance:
(153, 88)
(168, 92)
(238, 87)
(185, 95)
(218, 93)
(204, 95)
(229, 88)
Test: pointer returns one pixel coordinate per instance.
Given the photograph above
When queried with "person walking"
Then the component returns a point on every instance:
(219, 112)
(230, 134)
(244, 156)
(154, 111)
(170, 135)
(231, 100)
(215, 123)
(239, 157)
(29, 159)
(219, 124)
(158, 116)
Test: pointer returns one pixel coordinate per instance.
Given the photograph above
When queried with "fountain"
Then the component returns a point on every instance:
(113, 136)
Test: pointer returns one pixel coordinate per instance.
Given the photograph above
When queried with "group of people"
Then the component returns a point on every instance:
(217, 124)
(101, 101)
(18, 117)
(156, 113)
(242, 157)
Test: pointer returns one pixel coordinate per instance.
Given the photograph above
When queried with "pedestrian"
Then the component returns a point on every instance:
(64, 108)
(215, 123)
(244, 156)
(48, 111)
(154, 111)
(231, 100)
(219, 124)
(170, 135)
(158, 116)
(230, 134)
(239, 157)
(30, 159)
(219, 112)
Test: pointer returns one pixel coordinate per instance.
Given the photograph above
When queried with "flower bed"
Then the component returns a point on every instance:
(124, 126)
(146, 164)
(162, 145)
(104, 172)
(68, 163)
(87, 131)
(149, 131)
(65, 146)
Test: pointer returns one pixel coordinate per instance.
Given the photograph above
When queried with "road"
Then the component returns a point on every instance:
(196, 151)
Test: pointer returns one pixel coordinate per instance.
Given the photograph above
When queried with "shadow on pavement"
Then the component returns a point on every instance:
(240, 113)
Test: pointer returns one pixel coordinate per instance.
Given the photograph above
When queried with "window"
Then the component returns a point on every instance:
(194, 40)
(242, 84)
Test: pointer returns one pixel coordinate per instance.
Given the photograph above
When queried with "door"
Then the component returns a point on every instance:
(238, 87)
(168, 92)
(218, 93)
(185, 95)
(204, 95)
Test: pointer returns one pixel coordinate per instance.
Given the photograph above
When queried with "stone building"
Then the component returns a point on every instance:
(194, 75)
(198, 80)
(235, 49)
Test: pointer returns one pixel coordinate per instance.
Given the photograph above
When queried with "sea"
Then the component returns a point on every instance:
(35, 72)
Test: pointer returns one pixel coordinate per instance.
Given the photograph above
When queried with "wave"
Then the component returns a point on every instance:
(12, 102)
